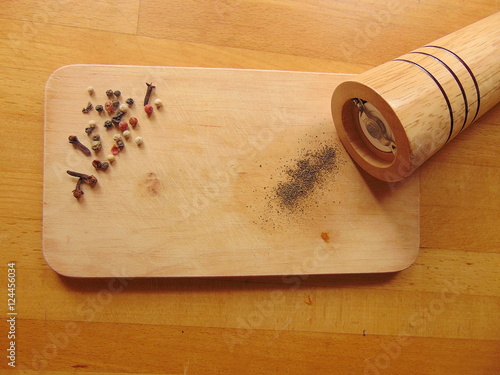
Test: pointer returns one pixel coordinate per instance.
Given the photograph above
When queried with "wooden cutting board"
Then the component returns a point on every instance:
(240, 173)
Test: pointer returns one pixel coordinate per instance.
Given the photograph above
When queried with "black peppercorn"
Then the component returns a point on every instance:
(115, 103)
(88, 108)
(117, 93)
(109, 93)
(129, 101)
(108, 124)
(99, 108)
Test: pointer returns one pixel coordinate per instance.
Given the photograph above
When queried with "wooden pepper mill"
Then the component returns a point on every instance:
(394, 117)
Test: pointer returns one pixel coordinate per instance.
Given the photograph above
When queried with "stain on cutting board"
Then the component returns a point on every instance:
(150, 185)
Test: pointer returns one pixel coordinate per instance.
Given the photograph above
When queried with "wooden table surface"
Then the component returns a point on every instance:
(440, 316)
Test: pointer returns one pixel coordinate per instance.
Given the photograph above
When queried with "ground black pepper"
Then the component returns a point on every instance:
(309, 171)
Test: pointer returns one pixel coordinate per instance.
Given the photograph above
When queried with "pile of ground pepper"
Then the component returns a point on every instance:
(309, 171)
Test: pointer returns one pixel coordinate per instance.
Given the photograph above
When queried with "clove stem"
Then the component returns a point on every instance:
(74, 140)
(78, 192)
(88, 179)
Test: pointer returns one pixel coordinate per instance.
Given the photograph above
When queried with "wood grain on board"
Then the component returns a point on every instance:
(240, 173)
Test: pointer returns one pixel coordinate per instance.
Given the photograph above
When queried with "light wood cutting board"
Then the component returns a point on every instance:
(201, 196)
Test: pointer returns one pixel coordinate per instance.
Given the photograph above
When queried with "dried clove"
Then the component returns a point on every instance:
(74, 140)
(78, 192)
(148, 92)
(82, 178)
(88, 108)
(97, 164)
(88, 179)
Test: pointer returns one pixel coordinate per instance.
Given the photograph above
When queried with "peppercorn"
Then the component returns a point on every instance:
(129, 101)
(158, 103)
(116, 120)
(115, 103)
(108, 124)
(148, 108)
(133, 121)
(123, 126)
(126, 134)
(117, 93)
(138, 140)
(111, 158)
(123, 107)
(115, 150)
(120, 144)
(96, 145)
(109, 93)
(88, 108)
(109, 107)
(90, 90)
(96, 137)
(99, 108)
(89, 129)
(117, 137)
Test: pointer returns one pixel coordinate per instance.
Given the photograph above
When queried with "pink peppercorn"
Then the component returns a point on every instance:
(115, 150)
(133, 121)
(148, 109)
(108, 106)
(123, 126)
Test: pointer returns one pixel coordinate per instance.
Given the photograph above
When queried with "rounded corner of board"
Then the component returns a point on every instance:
(58, 267)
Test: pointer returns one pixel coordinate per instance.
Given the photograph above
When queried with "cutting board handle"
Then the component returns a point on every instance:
(394, 117)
